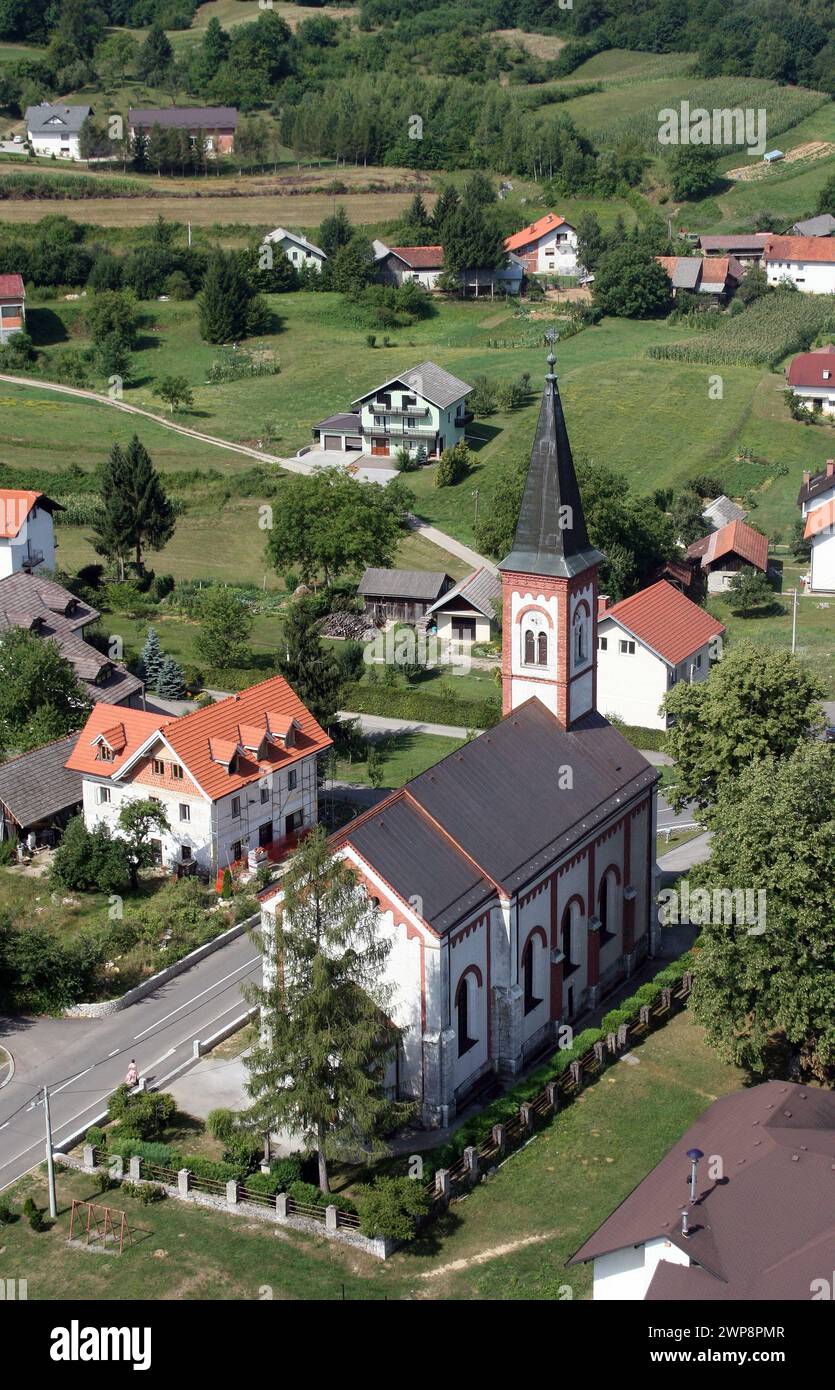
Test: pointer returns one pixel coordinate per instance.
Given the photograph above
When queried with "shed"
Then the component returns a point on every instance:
(401, 594)
(38, 793)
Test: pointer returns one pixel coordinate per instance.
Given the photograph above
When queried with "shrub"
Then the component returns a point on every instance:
(283, 1174)
(311, 1195)
(145, 1114)
(128, 1146)
(245, 1149)
(6, 1211)
(150, 1192)
(221, 1123)
(103, 1180)
(37, 1217)
(393, 1207)
(96, 1136)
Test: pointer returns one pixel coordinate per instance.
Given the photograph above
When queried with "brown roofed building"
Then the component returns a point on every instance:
(760, 1229)
(216, 123)
(723, 552)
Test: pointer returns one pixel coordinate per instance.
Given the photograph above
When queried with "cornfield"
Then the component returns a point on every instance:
(769, 330)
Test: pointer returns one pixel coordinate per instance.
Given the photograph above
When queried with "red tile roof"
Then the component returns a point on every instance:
(800, 248)
(534, 231)
(421, 257)
(715, 270)
(662, 618)
(737, 538)
(807, 368)
(209, 740)
(15, 506)
(11, 287)
(820, 519)
(136, 726)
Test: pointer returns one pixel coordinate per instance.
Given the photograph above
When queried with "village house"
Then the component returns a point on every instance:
(401, 595)
(424, 406)
(12, 306)
(722, 510)
(49, 611)
(39, 794)
(301, 252)
(811, 377)
(762, 1230)
(466, 613)
(733, 547)
(807, 262)
(547, 246)
(718, 276)
(817, 504)
(745, 247)
(217, 124)
(236, 777)
(824, 225)
(645, 645)
(27, 534)
(421, 264)
(55, 130)
(514, 879)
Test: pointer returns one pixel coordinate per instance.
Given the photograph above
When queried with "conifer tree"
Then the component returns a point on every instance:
(152, 659)
(326, 1038)
(224, 300)
(308, 665)
(172, 680)
(136, 513)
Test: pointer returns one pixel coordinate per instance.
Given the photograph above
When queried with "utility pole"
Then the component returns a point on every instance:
(794, 619)
(50, 1163)
(475, 495)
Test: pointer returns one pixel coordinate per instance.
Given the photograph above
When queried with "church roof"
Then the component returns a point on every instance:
(551, 536)
(493, 814)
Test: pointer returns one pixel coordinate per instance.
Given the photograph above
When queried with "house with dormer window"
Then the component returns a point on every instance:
(235, 777)
(55, 130)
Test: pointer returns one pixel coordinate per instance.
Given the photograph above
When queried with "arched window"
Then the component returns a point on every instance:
(534, 638)
(530, 648)
(569, 965)
(580, 644)
(542, 649)
(531, 971)
(463, 1016)
(608, 905)
(603, 904)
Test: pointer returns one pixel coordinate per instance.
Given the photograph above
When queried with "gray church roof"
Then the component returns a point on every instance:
(551, 536)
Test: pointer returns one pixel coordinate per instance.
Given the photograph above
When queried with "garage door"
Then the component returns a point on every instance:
(353, 442)
(333, 441)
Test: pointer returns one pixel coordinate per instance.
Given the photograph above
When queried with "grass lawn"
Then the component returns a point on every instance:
(31, 901)
(403, 757)
(509, 1239)
(815, 625)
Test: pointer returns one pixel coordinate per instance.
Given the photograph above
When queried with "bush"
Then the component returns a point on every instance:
(246, 1149)
(37, 1218)
(221, 1123)
(128, 1146)
(311, 1195)
(96, 1136)
(393, 1207)
(283, 1174)
(6, 1211)
(145, 1114)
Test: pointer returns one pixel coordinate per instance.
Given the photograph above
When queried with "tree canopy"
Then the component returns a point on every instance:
(328, 524)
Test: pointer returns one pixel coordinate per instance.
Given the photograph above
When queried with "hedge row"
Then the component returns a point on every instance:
(479, 1129)
(414, 705)
(654, 739)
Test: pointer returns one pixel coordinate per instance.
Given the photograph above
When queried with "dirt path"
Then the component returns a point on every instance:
(484, 1255)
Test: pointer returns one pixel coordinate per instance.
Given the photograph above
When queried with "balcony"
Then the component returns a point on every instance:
(465, 418)
(380, 409)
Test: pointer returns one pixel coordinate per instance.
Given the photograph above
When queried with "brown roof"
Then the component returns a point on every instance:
(11, 287)
(421, 257)
(807, 368)
(800, 248)
(766, 1227)
(737, 538)
(37, 785)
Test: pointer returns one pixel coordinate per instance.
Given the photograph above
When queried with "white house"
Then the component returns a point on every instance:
(808, 262)
(297, 248)
(466, 613)
(811, 377)
(234, 777)
(735, 546)
(738, 1211)
(420, 264)
(514, 879)
(817, 504)
(645, 644)
(27, 536)
(549, 244)
(12, 306)
(54, 130)
(423, 406)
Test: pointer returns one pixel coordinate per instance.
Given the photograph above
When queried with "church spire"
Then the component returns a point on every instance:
(551, 536)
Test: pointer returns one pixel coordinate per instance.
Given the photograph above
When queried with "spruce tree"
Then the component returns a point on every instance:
(172, 680)
(114, 531)
(152, 659)
(136, 513)
(156, 55)
(335, 231)
(445, 208)
(326, 1039)
(224, 299)
(308, 665)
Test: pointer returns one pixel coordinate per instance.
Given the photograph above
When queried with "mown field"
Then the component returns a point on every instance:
(510, 1239)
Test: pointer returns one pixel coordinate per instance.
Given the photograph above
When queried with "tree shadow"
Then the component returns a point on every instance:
(45, 327)
(767, 610)
(486, 434)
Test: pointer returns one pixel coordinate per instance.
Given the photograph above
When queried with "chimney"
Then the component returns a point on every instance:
(603, 601)
(694, 1155)
(830, 467)
(806, 476)
(685, 1230)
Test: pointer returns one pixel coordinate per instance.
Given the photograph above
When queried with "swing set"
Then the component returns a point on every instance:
(99, 1223)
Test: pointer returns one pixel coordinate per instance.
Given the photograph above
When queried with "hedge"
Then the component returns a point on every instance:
(654, 739)
(479, 1129)
(417, 707)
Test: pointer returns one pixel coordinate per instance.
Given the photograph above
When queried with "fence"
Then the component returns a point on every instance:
(459, 1176)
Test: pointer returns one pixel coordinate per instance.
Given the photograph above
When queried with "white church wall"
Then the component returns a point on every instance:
(468, 962)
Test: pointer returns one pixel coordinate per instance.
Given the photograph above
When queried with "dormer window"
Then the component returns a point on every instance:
(106, 755)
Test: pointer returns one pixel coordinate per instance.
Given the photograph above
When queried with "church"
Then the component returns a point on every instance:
(515, 877)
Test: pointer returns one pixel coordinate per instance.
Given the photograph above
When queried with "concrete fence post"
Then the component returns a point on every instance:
(597, 1049)
(281, 1206)
(442, 1183)
(623, 1035)
(576, 1074)
(89, 1158)
(135, 1169)
(644, 1014)
(612, 1043)
(116, 1167)
(687, 980)
(526, 1116)
(232, 1192)
(667, 997)
(331, 1219)
(500, 1138)
(182, 1182)
(552, 1091)
(471, 1163)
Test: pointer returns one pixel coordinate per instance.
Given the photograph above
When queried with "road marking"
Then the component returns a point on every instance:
(53, 1090)
(194, 997)
(114, 1053)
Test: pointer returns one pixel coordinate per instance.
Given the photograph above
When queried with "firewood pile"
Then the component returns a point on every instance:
(356, 627)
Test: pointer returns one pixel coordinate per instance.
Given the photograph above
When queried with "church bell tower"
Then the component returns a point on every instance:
(549, 581)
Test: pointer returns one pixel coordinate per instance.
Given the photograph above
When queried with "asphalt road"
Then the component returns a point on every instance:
(83, 1060)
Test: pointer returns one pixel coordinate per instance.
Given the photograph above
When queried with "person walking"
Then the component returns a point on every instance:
(132, 1078)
